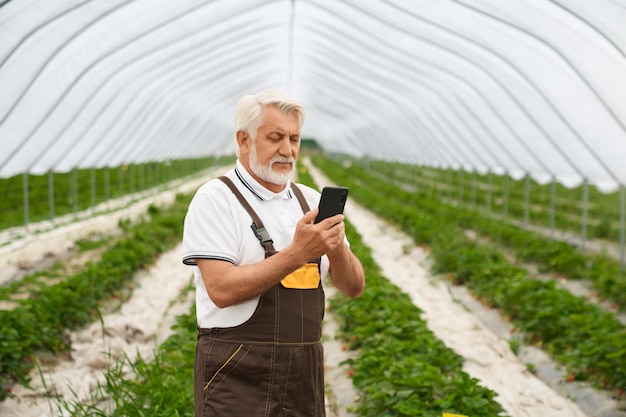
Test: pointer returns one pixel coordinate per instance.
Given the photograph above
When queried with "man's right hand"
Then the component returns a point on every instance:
(312, 240)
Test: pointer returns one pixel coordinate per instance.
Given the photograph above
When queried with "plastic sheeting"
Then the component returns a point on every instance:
(521, 87)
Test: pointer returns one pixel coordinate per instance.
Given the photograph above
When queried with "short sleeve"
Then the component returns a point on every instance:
(209, 229)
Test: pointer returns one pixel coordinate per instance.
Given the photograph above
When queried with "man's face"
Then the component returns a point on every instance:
(271, 157)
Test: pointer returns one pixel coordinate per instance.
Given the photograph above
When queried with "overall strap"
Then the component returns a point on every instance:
(303, 204)
(257, 225)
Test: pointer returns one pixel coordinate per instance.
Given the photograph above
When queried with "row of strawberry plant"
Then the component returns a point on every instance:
(15, 289)
(491, 194)
(384, 325)
(150, 390)
(427, 382)
(402, 368)
(591, 343)
(554, 256)
(39, 322)
(84, 188)
(465, 185)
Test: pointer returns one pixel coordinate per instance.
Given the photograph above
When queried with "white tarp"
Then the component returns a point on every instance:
(532, 87)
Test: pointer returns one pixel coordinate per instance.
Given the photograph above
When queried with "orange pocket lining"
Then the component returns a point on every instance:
(304, 278)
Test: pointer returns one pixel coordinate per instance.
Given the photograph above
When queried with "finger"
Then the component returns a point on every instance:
(332, 221)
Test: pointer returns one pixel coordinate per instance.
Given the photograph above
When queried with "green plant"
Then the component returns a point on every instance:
(39, 322)
(548, 315)
(402, 369)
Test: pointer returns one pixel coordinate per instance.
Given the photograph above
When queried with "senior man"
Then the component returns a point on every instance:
(259, 264)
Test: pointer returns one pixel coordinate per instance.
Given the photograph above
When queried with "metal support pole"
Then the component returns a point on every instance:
(120, 182)
(51, 194)
(585, 213)
(552, 206)
(622, 215)
(439, 187)
(74, 189)
(92, 189)
(474, 189)
(107, 184)
(489, 185)
(450, 185)
(25, 196)
(142, 177)
(505, 204)
(131, 173)
(526, 200)
(461, 181)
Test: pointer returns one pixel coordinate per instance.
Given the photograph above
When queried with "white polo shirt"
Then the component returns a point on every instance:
(218, 227)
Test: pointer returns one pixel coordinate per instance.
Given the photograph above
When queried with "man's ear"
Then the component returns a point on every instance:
(243, 140)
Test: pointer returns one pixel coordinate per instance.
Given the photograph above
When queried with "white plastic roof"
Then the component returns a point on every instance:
(518, 86)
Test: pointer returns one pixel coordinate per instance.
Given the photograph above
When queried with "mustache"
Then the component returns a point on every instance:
(282, 159)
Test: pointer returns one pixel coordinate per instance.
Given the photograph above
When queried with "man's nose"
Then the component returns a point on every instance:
(285, 147)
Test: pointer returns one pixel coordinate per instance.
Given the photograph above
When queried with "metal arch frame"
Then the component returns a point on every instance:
(576, 71)
(537, 90)
(293, 3)
(424, 85)
(391, 98)
(101, 58)
(74, 82)
(591, 25)
(466, 82)
(115, 95)
(501, 58)
(47, 61)
(37, 28)
(130, 128)
(430, 119)
(481, 70)
(337, 87)
(142, 135)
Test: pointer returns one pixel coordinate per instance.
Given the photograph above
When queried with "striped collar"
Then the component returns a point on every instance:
(257, 189)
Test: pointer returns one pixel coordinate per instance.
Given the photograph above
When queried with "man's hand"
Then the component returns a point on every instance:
(314, 240)
(327, 238)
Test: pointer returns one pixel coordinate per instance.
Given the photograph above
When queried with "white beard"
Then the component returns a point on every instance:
(266, 173)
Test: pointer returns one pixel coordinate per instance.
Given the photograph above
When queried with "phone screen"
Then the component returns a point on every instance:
(332, 202)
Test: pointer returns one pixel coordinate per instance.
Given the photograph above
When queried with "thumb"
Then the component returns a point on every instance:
(309, 216)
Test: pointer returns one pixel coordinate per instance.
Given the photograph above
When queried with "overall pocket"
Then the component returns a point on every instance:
(226, 360)
(306, 277)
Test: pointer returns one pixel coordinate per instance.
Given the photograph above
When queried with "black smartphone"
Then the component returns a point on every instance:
(332, 202)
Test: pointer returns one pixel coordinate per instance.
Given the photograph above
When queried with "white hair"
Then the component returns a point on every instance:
(248, 116)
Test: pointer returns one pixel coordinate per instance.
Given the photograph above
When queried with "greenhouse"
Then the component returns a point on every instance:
(483, 144)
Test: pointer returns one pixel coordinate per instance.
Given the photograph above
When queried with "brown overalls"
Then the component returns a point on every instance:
(271, 365)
